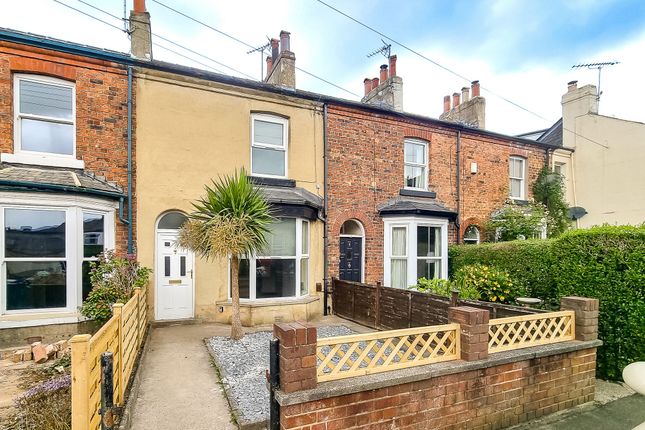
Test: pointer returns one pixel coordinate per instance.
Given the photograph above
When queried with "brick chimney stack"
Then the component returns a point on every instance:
(140, 32)
(387, 90)
(283, 62)
(269, 65)
(466, 109)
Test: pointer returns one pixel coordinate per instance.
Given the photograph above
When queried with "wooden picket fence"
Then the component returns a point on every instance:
(363, 354)
(506, 334)
(122, 335)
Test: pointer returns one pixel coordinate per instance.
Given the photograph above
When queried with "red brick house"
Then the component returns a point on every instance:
(64, 182)
(401, 187)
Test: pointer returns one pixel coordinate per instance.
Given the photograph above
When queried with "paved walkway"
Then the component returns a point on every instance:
(179, 387)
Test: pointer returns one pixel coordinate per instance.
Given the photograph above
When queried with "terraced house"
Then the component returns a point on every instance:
(66, 175)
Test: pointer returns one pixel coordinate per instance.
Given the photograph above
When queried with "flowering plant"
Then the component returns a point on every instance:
(494, 285)
(45, 406)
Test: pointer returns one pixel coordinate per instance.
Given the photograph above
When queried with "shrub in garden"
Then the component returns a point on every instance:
(444, 287)
(113, 280)
(493, 285)
(515, 221)
(45, 406)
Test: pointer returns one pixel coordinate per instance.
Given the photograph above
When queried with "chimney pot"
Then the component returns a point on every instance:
(572, 86)
(465, 94)
(285, 41)
(383, 72)
(446, 104)
(475, 88)
(269, 65)
(274, 49)
(455, 100)
(392, 66)
(367, 83)
(374, 83)
(139, 6)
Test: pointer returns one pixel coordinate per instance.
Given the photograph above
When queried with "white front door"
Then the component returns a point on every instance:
(174, 274)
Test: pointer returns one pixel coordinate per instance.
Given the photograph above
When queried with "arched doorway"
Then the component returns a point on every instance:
(174, 269)
(352, 251)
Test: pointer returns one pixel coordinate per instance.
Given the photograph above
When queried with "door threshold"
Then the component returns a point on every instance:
(166, 323)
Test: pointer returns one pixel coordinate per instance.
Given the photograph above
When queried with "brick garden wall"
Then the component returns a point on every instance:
(366, 169)
(491, 398)
(101, 110)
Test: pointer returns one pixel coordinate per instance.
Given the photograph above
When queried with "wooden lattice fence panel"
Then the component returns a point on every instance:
(356, 355)
(506, 334)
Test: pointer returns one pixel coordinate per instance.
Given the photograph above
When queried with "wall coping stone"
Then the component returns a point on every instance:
(375, 381)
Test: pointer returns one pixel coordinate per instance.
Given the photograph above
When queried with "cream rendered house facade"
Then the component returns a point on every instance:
(193, 127)
(604, 174)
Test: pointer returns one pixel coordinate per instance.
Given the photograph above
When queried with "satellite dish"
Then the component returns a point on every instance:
(577, 212)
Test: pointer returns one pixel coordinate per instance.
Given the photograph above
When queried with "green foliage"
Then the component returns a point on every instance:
(548, 189)
(113, 281)
(528, 262)
(493, 285)
(233, 218)
(517, 222)
(444, 287)
(607, 263)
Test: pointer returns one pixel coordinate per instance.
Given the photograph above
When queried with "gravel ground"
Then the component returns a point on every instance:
(243, 366)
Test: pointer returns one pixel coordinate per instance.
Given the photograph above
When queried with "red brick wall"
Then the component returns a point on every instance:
(101, 110)
(366, 169)
(490, 398)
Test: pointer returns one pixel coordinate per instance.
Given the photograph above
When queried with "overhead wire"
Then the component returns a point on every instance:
(248, 45)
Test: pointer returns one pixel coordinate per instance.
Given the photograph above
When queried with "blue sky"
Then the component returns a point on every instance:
(522, 50)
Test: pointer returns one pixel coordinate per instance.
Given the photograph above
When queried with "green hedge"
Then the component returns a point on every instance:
(607, 263)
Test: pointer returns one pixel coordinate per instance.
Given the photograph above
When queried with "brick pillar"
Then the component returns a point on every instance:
(586, 316)
(297, 355)
(474, 331)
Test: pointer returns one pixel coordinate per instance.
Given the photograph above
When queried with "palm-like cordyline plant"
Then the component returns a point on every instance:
(232, 219)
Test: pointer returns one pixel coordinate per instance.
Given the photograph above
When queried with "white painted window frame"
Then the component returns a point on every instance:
(35, 157)
(285, 142)
(522, 178)
(299, 256)
(73, 206)
(470, 241)
(423, 165)
(411, 224)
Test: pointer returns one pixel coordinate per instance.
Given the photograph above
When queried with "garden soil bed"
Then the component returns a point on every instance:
(242, 366)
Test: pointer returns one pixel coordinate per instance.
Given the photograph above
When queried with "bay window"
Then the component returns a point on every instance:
(415, 247)
(282, 269)
(45, 251)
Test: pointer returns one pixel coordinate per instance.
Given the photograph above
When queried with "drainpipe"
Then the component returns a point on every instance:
(458, 218)
(130, 244)
(325, 236)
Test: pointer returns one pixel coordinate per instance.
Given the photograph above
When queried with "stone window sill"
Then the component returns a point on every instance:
(271, 302)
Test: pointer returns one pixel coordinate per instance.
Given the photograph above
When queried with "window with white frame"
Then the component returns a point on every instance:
(46, 253)
(269, 142)
(560, 168)
(415, 247)
(416, 164)
(471, 235)
(44, 110)
(283, 268)
(517, 178)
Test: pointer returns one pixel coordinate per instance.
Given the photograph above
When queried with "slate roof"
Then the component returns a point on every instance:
(412, 206)
(27, 177)
(552, 136)
(292, 196)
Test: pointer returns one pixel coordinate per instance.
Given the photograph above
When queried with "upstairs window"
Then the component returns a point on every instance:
(416, 164)
(517, 178)
(269, 137)
(44, 116)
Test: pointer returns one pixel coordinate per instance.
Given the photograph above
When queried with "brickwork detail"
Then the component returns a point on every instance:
(586, 315)
(101, 111)
(474, 331)
(297, 355)
(366, 168)
(491, 398)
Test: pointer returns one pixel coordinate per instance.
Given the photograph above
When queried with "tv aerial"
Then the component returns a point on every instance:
(383, 50)
(597, 66)
(261, 50)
